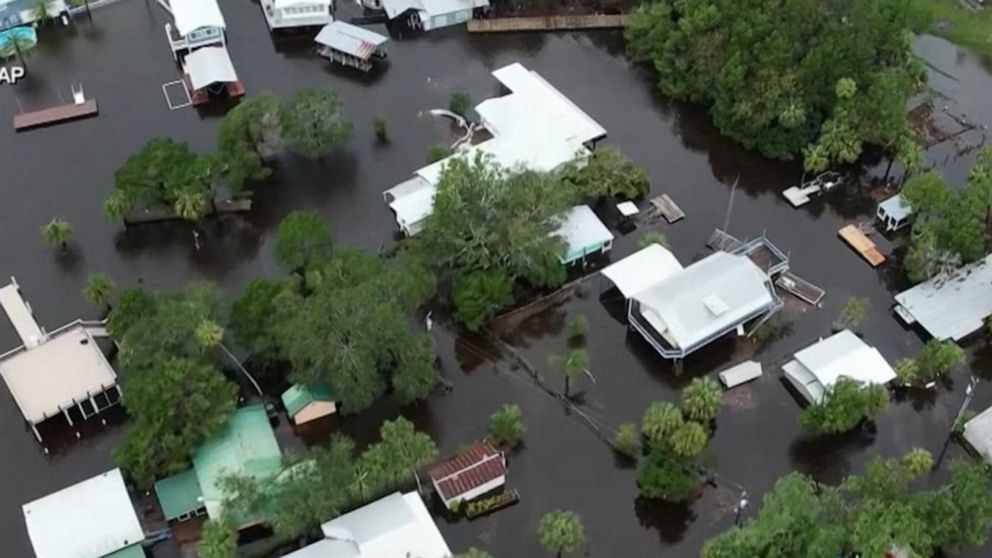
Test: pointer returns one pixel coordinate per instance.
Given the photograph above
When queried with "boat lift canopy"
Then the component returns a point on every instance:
(209, 65)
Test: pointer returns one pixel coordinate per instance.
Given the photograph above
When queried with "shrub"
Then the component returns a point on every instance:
(506, 426)
(437, 152)
(627, 440)
(379, 125)
(460, 103)
(578, 326)
(845, 405)
(667, 477)
(660, 420)
(701, 399)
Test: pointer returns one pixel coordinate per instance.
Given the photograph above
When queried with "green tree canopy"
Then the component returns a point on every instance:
(561, 531)
(252, 314)
(666, 476)
(783, 76)
(57, 232)
(506, 426)
(167, 173)
(302, 241)
(844, 406)
(478, 295)
(608, 173)
(218, 540)
(313, 124)
(627, 440)
(660, 420)
(701, 399)
(99, 288)
(249, 134)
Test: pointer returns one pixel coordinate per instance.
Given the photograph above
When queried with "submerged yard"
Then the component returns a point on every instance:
(122, 59)
(964, 24)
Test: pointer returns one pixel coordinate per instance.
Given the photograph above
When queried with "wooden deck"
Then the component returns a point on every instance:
(800, 288)
(862, 244)
(54, 115)
(723, 242)
(668, 209)
(547, 23)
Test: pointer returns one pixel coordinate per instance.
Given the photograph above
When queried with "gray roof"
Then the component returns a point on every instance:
(896, 207)
(951, 306)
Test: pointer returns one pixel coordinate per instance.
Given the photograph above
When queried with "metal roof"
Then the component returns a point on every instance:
(432, 8)
(191, 15)
(396, 526)
(582, 232)
(640, 270)
(676, 307)
(19, 313)
(246, 446)
(90, 519)
(471, 468)
(179, 494)
(896, 207)
(67, 368)
(951, 306)
(209, 65)
(299, 396)
(817, 367)
(350, 39)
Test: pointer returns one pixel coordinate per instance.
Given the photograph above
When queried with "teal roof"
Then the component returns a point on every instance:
(133, 551)
(246, 446)
(299, 396)
(179, 494)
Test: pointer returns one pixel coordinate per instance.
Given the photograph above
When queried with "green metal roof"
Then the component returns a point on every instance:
(133, 551)
(179, 494)
(299, 396)
(246, 446)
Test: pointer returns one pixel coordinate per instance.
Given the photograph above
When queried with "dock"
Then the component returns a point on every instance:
(547, 23)
(20, 315)
(723, 242)
(55, 115)
(856, 239)
(157, 214)
(668, 209)
(800, 288)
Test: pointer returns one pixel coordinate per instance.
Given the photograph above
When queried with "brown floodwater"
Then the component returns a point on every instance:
(122, 59)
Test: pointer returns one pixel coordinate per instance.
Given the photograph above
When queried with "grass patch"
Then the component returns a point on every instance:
(967, 28)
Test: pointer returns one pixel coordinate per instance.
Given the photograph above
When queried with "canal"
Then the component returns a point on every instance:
(122, 59)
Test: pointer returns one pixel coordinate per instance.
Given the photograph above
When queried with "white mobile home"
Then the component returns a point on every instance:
(197, 23)
(432, 14)
(817, 368)
(289, 14)
(950, 305)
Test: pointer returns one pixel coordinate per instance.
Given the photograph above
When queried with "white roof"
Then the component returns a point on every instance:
(710, 297)
(396, 526)
(191, 15)
(432, 8)
(638, 271)
(896, 207)
(280, 4)
(19, 314)
(209, 65)
(90, 519)
(978, 432)
(740, 373)
(69, 367)
(350, 39)
(817, 367)
(582, 232)
(952, 306)
(413, 208)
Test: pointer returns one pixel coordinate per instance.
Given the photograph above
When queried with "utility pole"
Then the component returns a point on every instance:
(969, 392)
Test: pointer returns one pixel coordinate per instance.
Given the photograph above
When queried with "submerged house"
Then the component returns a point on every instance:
(815, 369)
(950, 305)
(534, 127)
(290, 14)
(246, 446)
(475, 471)
(55, 373)
(90, 519)
(428, 14)
(198, 41)
(397, 526)
(687, 308)
(305, 403)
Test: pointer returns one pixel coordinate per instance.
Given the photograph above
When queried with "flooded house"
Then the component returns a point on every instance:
(584, 235)
(950, 306)
(534, 127)
(198, 39)
(428, 14)
(350, 45)
(293, 14)
(398, 525)
(90, 519)
(474, 471)
(815, 369)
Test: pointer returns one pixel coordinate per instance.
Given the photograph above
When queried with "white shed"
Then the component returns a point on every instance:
(894, 212)
(432, 14)
(978, 433)
(816, 368)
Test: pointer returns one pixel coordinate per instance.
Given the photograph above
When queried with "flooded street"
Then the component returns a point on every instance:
(122, 59)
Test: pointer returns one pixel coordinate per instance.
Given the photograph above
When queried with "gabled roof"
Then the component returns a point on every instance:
(951, 306)
(710, 296)
(896, 207)
(470, 469)
(209, 65)
(90, 519)
(396, 526)
(245, 446)
(350, 39)
(978, 433)
(638, 271)
(179, 494)
(191, 15)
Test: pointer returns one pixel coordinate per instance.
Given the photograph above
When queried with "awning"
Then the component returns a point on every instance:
(209, 65)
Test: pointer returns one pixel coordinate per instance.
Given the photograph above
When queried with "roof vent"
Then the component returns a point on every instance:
(715, 305)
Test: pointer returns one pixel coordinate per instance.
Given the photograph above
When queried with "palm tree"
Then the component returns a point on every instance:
(40, 11)
(209, 334)
(561, 531)
(18, 45)
(57, 233)
(574, 364)
(98, 289)
(190, 205)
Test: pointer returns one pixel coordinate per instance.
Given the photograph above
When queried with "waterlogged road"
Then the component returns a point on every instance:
(122, 59)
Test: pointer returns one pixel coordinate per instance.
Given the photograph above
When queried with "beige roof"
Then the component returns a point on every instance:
(69, 367)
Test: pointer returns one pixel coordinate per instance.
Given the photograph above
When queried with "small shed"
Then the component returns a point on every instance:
(306, 403)
(741, 373)
(584, 234)
(978, 434)
(350, 45)
(816, 368)
(470, 474)
(432, 14)
(894, 212)
(90, 519)
(180, 496)
(642, 269)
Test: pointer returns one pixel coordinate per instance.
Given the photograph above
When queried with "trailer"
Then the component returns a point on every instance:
(350, 45)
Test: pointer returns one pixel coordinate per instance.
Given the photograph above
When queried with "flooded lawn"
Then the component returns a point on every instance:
(122, 60)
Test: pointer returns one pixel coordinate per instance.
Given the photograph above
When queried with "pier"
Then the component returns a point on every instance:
(547, 23)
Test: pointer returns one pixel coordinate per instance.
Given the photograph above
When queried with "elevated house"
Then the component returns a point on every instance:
(59, 373)
(534, 127)
(952, 305)
(90, 519)
(815, 369)
(305, 403)
(686, 309)
(478, 469)
(245, 447)
(292, 14)
(350, 45)
(397, 526)
(429, 14)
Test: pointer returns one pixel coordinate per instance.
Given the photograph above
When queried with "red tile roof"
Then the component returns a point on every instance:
(470, 469)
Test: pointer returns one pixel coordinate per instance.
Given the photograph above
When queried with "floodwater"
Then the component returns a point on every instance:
(122, 59)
